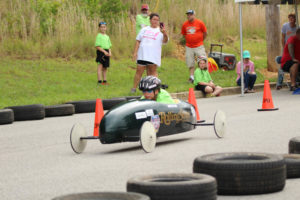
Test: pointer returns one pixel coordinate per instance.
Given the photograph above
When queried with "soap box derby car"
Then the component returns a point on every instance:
(145, 121)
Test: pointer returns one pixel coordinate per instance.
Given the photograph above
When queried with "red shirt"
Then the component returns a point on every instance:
(286, 55)
(193, 32)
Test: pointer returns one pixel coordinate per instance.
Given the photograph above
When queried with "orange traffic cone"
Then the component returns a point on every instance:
(192, 100)
(267, 104)
(99, 113)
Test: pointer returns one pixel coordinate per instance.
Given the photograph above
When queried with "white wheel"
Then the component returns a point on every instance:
(220, 124)
(77, 144)
(148, 137)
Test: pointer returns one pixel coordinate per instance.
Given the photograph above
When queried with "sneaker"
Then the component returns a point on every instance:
(133, 90)
(99, 83)
(105, 83)
(278, 87)
(246, 90)
(293, 88)
(251, 91)
(191, 80)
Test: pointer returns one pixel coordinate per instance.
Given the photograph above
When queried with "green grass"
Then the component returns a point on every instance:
(55, 81)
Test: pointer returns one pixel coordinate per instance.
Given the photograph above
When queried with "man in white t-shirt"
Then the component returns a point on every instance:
(147, 51)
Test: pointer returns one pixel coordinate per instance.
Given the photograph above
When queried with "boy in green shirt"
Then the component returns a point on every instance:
(103, 46)
(203, 80)
(142, 20)
(150, 86)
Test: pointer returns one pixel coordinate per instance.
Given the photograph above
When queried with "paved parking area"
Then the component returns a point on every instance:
(37, 161)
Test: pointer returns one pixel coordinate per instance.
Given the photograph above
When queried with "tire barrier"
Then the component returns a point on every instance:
(244, 173)
(109, 103)
(175, 186)
(84, 106)
(6, 116)
(28, 112)
(59, 110)
(104, 196)
(294, 145)
(292, 162)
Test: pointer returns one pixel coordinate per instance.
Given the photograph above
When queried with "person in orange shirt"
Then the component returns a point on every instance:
(194, 31)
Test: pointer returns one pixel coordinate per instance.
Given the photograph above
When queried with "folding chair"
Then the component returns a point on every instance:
(278, 61)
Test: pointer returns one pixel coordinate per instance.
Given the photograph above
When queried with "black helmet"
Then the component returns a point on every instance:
(149, 83)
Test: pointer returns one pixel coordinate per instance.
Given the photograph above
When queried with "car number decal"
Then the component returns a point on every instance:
(172, 106)
(140, 115)
(149, 112)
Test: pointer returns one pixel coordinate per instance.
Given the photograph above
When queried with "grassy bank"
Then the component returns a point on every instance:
(67, 29)
(54, 81)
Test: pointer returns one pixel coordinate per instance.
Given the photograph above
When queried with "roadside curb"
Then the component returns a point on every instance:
(226, 91)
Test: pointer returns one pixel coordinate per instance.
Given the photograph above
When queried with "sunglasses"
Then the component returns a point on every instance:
(148, 91)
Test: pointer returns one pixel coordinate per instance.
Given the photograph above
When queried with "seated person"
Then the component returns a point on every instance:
(291, 57)
(151, 87)
(249, 73)
(202, 79)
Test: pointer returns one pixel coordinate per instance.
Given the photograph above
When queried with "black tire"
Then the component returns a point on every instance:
(84, 106)
(244, 173)
(59, 110)
(28, 112)
(294, 145)
(6, 116)
(292, 162)
(109, 103)
(132, 97)
(175, 186)
(104, 196)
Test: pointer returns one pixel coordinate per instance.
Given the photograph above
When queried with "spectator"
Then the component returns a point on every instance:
(291, 57)
(151, 87)
(288, 30)
(249, 73)
(143, 19)
(194, 31)
(103, 46)
(147, 51)
(203, 80)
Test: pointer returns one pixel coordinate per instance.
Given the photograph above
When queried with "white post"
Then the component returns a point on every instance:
(241, 46)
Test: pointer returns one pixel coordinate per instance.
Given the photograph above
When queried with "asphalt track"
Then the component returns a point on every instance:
(37, 162)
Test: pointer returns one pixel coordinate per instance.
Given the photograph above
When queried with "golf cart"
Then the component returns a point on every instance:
(225, 61)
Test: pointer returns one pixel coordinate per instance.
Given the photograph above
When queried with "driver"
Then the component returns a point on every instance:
(151, 87)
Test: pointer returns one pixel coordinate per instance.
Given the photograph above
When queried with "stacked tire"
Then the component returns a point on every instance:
(243, 173)
(175, 186)
(104, 196)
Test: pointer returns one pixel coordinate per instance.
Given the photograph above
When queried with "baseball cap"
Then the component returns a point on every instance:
(145, 6)
(201, 58)
(190, 12)
(246, 54)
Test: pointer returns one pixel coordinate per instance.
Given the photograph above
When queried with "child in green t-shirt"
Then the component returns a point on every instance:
(103, 46)
(202, 79)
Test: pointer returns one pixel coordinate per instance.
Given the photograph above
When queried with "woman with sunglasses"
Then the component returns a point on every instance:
(147, 51)
(103, 46)
(150, 85)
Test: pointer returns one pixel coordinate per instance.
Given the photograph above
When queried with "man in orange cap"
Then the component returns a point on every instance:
(142, 20)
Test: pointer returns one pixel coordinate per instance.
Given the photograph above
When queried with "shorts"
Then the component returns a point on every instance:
(200, 87)
(287, 65)
(144, 63)
(102, 59)
(190, 54)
